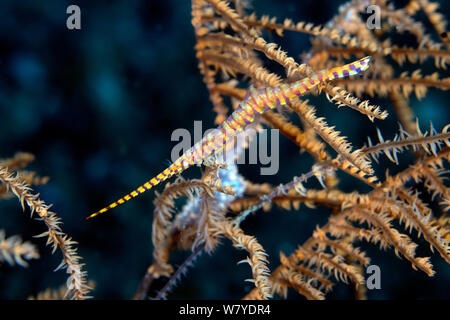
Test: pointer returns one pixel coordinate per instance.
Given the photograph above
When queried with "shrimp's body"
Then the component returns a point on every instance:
(255, 103)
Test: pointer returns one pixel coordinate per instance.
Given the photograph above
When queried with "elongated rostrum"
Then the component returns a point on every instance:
(255, 103)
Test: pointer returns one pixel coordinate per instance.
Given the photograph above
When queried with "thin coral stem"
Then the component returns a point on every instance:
(76, 283)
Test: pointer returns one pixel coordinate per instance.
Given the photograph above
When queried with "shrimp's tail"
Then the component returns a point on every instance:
(166, 174)
(303, 86)
(349, 69)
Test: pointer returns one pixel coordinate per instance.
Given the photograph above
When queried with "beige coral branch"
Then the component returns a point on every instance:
(76, 283)
(13, 250)
(257, 260)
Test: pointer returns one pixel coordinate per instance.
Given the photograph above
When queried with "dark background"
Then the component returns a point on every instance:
(97, 107)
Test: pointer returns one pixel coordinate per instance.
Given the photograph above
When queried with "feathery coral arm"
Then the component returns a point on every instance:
(255, 103)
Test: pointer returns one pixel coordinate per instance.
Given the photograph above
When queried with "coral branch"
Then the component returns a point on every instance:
(76, 283)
